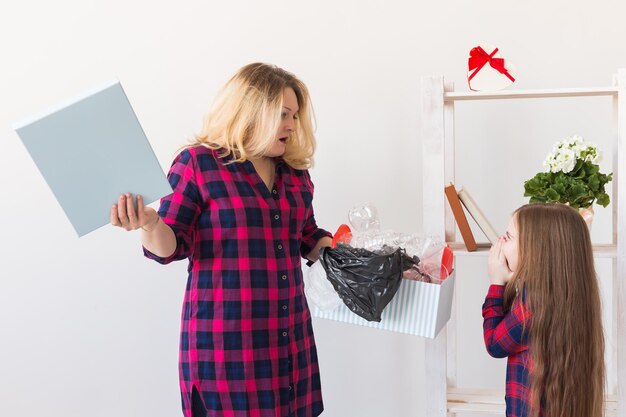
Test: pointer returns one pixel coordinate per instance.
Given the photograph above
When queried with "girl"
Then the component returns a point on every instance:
(542, 311)
(241, 212)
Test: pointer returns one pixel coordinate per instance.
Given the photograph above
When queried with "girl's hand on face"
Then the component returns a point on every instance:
(125, 216)
(497, 267)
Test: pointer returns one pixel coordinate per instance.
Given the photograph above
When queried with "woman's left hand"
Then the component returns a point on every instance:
(497, 267)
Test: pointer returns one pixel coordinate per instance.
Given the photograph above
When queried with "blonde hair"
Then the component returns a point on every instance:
(556, 274)
(247, 112)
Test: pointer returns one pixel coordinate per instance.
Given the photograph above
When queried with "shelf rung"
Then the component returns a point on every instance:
(599, 251)
(467, 400)
(460, 249)
(504, 94)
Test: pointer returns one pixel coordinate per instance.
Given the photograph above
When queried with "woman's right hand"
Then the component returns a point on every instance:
(124, 215)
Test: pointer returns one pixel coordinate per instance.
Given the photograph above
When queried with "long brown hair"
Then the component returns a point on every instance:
(556, 274)
(247, 113)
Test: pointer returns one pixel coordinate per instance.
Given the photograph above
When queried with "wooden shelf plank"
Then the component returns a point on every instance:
(599, 251)
(492, 409)
(475, 401)
(516, 94)
(466, 400)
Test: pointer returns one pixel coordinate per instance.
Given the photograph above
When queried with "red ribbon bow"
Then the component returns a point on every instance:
(478, 58)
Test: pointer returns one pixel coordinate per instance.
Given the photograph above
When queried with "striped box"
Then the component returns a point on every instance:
(418, 308)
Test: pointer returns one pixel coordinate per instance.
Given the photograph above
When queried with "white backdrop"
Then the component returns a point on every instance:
(88, 327)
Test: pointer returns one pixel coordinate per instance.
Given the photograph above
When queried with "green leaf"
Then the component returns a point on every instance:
(603, 199)
(552, 195)
(559, 188)
(594, 182)
(577, 192)
(578, 171)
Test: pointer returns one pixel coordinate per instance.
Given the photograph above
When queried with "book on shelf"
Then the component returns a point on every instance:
(459, 217)
(478, 216)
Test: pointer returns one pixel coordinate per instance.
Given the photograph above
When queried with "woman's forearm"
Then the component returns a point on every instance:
(159, 239)
(314, 255)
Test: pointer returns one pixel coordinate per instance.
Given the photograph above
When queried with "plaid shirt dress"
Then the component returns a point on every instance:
(506, 335)
(247, 343)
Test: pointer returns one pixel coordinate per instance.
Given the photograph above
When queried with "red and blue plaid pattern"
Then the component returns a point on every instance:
(506, 335)
(247, 341)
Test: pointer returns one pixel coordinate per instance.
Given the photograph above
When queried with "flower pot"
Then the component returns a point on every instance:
(587, 213)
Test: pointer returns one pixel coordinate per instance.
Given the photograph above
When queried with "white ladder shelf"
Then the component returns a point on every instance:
(437, 132)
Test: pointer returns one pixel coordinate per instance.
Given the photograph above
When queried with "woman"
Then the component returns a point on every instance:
(241, 212)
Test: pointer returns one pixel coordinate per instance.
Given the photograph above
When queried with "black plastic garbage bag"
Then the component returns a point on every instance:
(365, 281)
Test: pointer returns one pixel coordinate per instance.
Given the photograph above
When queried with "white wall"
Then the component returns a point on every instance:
(88, 327)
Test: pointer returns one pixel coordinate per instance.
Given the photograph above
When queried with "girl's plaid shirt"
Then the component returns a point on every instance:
(506, 335)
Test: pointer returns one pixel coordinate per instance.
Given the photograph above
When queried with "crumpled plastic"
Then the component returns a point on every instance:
(366, 281)
(366, 233)
(368, 256)
(318, 288)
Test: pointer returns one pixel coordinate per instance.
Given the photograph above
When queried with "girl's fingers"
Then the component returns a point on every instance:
(497, 247)
(493, 251)
(502, 258)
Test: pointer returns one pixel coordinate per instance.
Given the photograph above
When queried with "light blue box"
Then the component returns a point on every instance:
(91, 150)
(418, 308)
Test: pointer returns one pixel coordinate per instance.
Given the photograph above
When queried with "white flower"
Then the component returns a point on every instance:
(568, 151)
(568, 166)
(567, 154)
(578, 148)
(547, 163)
(567, 142)
(555, 167)
(577, 140)
(592, 153)
(567, 160)
(596, 157)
